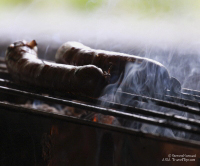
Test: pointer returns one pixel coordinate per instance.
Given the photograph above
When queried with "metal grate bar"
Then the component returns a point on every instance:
(161, 103)
(158, 122)
(183, 95)
(161, 98)
(145, 112)
(168, 101)
(183, 99)
(2, 60)
(191, 92)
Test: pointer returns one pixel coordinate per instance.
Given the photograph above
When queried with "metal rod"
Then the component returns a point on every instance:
(183, 96)
(3, 67)
(184, 99)
(190, 91)
(145, 112)
(167, 103)
(161, 103)
(138, 133)
(2, 60)
(128, 116)
(185, 102)
(39, 90)
(190, 96)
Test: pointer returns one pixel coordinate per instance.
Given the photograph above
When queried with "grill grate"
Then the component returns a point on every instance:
(181, 103)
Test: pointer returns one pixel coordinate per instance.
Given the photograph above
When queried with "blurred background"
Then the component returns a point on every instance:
(166, 31)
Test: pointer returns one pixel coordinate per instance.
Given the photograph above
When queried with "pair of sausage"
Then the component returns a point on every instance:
(25, 67)
(92, 70)
(133, 74)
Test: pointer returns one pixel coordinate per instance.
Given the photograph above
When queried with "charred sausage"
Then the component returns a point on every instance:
(144, 76)
(25, 67)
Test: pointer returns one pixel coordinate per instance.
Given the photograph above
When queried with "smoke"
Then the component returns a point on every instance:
(114, 24)
(166, 31)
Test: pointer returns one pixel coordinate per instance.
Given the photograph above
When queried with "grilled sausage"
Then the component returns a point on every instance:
(24, 66)
(144, 76)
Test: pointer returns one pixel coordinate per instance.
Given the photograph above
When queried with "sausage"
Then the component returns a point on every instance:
(25, 67)
(144, 76)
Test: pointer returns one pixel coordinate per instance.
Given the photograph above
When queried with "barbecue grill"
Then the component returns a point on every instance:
(32, 136)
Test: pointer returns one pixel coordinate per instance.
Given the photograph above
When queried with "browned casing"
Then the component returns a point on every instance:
(149, 71)
(25, 67)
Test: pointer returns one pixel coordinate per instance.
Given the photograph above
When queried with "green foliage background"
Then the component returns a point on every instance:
(142, 6)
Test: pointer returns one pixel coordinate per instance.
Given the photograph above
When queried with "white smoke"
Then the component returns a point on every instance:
(166, 31)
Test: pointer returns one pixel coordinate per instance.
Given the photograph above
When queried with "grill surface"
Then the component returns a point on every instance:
(50, 132)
